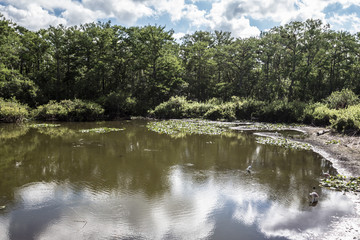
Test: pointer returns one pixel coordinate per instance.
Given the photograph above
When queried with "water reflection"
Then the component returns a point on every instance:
(138, 184)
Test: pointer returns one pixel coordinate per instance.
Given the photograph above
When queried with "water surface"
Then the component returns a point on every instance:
(59, 183)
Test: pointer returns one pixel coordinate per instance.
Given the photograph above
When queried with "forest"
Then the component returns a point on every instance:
(299, 72)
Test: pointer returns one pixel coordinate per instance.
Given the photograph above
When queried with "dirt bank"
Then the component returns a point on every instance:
(344, 152)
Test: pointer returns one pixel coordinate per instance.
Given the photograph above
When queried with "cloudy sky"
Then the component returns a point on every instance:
(242, 17)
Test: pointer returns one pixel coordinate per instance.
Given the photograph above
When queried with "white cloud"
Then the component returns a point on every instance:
(33, 17)
(226, 15)
(349, 23)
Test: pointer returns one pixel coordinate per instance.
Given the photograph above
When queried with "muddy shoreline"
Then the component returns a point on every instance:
(344, 152)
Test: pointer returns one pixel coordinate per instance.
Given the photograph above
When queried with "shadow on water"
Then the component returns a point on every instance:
(132, 184)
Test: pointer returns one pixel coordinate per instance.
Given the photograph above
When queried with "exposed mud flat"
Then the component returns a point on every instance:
(344, 152)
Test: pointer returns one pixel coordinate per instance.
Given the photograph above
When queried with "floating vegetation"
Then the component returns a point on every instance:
(44, 125)
(181, 128)
(283, 142)
(341, 183)
(333, 142)
(267, 127)
(101, 130)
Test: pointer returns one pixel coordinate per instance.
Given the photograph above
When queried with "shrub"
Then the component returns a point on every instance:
(69, 110)
(193, 109)
(12, 111)
(342, 99)
(348, 120)
(319, 114)
(225, 111)
(282, 111)
(249, 109)
(119, 105)
(173, 108)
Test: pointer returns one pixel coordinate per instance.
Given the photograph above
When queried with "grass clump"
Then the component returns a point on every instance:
(69, 110)
(12, 111)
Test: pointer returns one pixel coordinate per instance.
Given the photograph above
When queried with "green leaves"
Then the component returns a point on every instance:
(283, 142)
(341, 183)
(101, 130)
(180, 128)
(12, 111)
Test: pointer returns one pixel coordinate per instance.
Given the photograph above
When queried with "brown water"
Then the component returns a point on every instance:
(58, 183)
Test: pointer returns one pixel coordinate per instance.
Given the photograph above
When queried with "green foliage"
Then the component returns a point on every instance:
(69, 110)
(174, 108)
(14, 85)
(341, 183)
(319, 114)
(347, 120)
(181, 128)
(12, 111)
(118, 104)
(341, 99)
(283, 142)
(101, 130)
(282, 111)
(249, 109)
(224, 111)
(180, 107)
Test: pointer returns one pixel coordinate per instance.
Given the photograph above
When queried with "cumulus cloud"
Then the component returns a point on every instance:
(237, 16)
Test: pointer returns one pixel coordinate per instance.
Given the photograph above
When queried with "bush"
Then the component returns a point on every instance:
(119, 105)
(173, 108)
(319, 114)
(342, 99)
(225, 111)
(249, 109)
(282, 111)
(12, 111)
(347, 120)
(69, 110)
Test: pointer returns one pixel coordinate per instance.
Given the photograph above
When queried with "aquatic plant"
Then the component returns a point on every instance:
(333, 142)
(341, 183)
(283, 142)
(180, 128)
(270, 126)
(43, 125)
(101, 130)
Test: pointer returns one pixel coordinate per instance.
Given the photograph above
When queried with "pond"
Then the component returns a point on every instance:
(68, 182)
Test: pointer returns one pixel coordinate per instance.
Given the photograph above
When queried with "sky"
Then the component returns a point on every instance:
(243, 18)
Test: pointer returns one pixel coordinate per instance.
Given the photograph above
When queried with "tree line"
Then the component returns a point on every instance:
(131, 70)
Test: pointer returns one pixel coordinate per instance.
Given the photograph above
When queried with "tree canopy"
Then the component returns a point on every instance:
(131, 70)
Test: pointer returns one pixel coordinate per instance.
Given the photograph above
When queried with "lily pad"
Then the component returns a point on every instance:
(44, 125)
(283, 142)
(181, 128)
(341, 183)
(101, 130)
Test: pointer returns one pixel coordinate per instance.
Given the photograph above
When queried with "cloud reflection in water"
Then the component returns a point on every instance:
(190, 209)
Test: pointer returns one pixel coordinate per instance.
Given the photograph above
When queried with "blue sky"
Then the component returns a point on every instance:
(243, 18)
